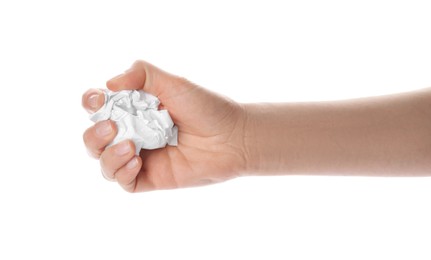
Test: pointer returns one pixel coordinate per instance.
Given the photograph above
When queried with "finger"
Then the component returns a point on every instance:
(133, 78)
(106, 177)
(143, 75)
(97, 137)
(126, 175)
(115, 157)
(93, 100)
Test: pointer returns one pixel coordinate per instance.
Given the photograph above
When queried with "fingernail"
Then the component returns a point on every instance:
(93, 101)
(132, 163)
(122, 148)
(103, 128)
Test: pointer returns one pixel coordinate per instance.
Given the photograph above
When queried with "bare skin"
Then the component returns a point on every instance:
(210, 147)
(220, 139)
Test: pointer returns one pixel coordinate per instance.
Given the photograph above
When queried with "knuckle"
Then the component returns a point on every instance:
(95, 155)
(129, 190)
(139, 63)
(102, 160)
(103, 167)
(129, 187)
(86, 136)
(106, 176)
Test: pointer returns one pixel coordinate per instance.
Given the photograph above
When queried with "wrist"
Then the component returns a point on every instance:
(268, 138)
(253, 140)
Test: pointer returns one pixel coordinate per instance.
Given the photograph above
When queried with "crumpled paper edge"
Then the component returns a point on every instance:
(147, 126)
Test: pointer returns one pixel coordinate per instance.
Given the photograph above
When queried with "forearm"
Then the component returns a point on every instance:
(387, 135)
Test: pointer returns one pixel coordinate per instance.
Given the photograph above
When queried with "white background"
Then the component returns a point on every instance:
(54, 203)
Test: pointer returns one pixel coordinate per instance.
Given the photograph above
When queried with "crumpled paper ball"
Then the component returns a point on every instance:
(138, 119)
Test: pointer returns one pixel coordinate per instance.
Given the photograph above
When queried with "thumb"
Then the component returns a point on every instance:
(145, 76)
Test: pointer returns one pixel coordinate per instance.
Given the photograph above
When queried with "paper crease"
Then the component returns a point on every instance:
(137, 117)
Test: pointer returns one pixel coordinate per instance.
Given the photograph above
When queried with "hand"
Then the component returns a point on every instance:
(210, 135)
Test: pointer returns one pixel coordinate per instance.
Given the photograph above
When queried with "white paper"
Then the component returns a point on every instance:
(138, 119)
